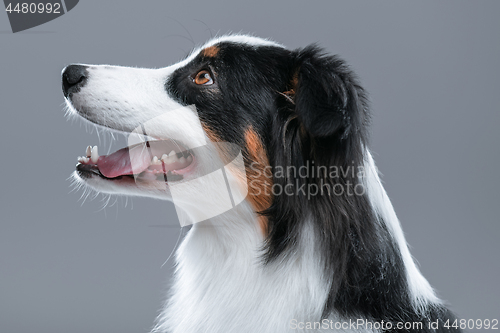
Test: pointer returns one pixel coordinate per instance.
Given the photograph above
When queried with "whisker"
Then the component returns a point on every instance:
(175, 246)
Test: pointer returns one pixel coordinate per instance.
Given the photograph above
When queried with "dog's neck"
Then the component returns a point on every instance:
(222, 285)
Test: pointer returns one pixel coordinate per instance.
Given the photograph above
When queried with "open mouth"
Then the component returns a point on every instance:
(149, 160)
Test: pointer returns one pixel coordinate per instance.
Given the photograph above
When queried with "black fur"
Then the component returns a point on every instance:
(309, 108)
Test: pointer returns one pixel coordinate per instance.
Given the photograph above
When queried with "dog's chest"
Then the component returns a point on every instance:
(221, 285)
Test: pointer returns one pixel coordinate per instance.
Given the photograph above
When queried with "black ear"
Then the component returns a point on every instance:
(328, 99)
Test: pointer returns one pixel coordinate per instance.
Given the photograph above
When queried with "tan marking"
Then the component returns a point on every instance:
(224, 150)
(258, 180)
(259, 176)
(210, 134)
(210, 51)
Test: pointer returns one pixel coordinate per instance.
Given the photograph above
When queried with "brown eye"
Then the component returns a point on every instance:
(203, 78)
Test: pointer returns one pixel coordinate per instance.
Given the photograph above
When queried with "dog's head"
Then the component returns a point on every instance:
(280, 107)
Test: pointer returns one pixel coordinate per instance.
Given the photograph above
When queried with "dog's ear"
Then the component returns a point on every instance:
(328, 99)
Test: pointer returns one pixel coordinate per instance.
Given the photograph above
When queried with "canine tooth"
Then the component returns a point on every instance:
(89, 151)
(94, 155)
(182, 160)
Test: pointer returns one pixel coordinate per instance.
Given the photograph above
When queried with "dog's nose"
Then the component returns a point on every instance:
(73, 78)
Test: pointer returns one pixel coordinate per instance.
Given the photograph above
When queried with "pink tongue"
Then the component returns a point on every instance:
(124, 162)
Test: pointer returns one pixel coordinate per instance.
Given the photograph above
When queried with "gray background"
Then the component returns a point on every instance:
(433, 75)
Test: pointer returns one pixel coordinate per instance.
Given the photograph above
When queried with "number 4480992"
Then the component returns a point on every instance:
(34, 8)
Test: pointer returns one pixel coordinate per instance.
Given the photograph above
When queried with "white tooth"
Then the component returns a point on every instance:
(154, 161)
(94, 155)
(165, 159)
(80, 159)
(182, 160)
(86, 159)
(189, 159)
(89, 151)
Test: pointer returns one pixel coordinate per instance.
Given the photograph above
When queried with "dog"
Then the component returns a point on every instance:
(313, 244)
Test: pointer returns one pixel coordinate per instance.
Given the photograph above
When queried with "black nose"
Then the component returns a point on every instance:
(73, 78)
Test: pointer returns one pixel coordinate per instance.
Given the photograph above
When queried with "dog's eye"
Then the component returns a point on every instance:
(203, 78)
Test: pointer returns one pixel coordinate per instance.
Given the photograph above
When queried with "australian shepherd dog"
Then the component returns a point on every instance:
(310, 241)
